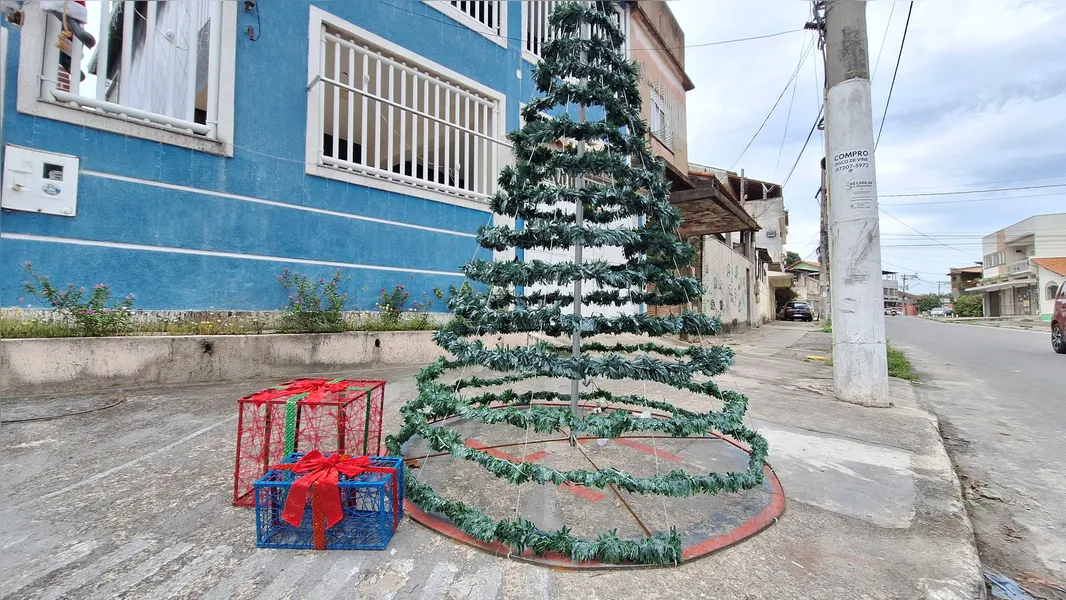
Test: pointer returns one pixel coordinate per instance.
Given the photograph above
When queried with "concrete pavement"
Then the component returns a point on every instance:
(1001, 398)
(133, 501)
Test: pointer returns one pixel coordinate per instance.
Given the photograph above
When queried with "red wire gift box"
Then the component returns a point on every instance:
(329, 502)
(338, 415)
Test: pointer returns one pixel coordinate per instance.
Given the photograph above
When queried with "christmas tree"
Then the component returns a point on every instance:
(576, 194)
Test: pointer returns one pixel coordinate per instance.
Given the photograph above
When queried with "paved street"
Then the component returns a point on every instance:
(1001, 398)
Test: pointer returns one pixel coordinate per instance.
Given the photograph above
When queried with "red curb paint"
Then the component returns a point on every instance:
(582, 491)
(768, 516)
(491, 451)
(649, 450)
(539, 454)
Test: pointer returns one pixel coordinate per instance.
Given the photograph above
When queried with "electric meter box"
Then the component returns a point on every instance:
(40, 182)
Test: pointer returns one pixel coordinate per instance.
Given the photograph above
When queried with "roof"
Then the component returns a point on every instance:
(805, 265)
(974, 269)
(1055, 264)
(707, 209)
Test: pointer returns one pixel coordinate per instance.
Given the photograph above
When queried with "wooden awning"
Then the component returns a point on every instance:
(708, 209)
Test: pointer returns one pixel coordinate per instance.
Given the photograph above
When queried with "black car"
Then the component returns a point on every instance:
(796, 310)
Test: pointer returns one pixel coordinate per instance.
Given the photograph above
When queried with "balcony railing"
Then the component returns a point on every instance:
(1020, 267)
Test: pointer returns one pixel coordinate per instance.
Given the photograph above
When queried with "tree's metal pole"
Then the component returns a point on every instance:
(579, 219)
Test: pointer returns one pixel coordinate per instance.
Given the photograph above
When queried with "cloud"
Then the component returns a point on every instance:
(980, 97)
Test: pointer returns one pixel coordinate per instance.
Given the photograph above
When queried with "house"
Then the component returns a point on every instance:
(214, 144)
(964, 278)
(1021, 267)
(807, 284)
(890, 291)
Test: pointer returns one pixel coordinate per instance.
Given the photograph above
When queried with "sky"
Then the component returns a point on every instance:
(979, 103)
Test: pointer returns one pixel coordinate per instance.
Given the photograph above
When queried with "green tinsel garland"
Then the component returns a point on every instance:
(626, 182)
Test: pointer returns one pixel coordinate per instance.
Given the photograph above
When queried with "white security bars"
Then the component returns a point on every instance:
(387, 117)
(488, 13)
(667, 118)
(535, 28)
(153, 62)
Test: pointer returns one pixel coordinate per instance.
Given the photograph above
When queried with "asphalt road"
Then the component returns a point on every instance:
(1001, 398)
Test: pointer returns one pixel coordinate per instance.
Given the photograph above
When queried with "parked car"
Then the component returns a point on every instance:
(1058, 321)
(940, 311)
(892, 311)
(796, 311)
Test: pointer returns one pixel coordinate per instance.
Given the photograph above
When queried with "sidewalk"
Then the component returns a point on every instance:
(134, 499)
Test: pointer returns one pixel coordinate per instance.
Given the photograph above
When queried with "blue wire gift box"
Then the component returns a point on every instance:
(330, 501)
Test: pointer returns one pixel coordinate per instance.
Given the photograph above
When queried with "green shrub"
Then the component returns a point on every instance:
(314, 306)
(969, 306)
(899, 366)
(88, 313)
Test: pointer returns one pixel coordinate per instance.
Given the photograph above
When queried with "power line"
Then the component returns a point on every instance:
(922, 234)
(504, 37)
(891, 87)
(788, 118)
(804, 148)
(957, 193)
(976, 199)
(940, 187)
(803, 59)
(881, 51)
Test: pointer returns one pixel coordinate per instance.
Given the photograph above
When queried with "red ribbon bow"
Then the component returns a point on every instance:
(316, 390)
(322, 481)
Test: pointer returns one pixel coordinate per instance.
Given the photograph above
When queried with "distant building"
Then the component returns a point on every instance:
(1023, 266)
(807, 284)
(964, 278)
(890, 290)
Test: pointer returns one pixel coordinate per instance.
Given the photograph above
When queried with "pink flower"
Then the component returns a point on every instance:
(132, 296)
(99, 286)
(21, 300)
(89, 312)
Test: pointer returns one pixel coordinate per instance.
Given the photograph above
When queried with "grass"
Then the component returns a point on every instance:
(899, 366)
(14, 327)
(827, 326)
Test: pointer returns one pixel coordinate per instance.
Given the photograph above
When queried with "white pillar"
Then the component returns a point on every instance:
(860, 367)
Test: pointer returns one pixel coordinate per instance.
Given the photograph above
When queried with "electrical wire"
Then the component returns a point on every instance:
(810, 134)
(504, 37)
(803, 59)
(891, 87)
(788, 118)
(975, 200)
(881, 51)
(922, 234)
(957, 193)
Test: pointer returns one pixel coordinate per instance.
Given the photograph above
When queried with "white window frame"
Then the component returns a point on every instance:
(29, 101)
(500, 38)
(319, 19)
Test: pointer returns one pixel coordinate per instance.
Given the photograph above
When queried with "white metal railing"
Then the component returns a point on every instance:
(536, 30)
(489, 13)
(383, 117)
(164, 69)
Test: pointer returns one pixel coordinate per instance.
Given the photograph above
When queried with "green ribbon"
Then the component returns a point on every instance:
(290, 422)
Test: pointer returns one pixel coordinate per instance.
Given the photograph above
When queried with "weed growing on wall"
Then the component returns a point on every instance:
(392, 304)
(88, 312)
(314, 306)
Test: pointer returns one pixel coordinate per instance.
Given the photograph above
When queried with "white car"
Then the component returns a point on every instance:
(940, 311)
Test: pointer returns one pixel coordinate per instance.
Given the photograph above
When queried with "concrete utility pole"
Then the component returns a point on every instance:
(823, 247)
(860, 366)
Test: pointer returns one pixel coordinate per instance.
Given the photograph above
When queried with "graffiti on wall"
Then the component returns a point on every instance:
(725, 275)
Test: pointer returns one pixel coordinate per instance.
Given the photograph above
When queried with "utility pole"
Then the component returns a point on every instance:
(860, 366)
(823, 246)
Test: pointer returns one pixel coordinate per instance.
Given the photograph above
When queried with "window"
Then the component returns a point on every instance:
(381, 116)
(1051, 289)
(163, 70)
(487, 17)
(667, 120)
(536, 30)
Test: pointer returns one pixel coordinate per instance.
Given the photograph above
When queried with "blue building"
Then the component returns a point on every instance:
(195, 159)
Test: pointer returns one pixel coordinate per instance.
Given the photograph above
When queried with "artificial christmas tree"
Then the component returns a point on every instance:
(576, 194)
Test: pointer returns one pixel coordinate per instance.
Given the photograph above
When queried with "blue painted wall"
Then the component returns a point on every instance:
(259, 240)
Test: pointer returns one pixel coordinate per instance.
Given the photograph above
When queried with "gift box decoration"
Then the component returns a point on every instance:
(329, 502)
(339, 415)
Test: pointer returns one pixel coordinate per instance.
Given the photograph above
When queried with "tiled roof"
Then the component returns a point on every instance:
(1055, 264)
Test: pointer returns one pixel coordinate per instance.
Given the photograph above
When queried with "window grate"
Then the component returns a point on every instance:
(154, 62)
(536, 30)
(383, 117)
(488, 13)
